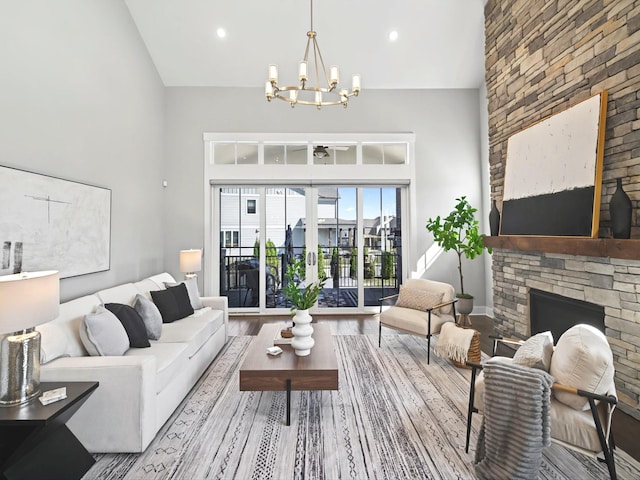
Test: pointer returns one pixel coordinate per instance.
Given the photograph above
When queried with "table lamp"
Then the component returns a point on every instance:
(190, 262)
(26, 300)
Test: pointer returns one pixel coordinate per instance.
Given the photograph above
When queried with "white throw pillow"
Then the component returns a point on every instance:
(536, 352)
(102, 334)
(582, 359)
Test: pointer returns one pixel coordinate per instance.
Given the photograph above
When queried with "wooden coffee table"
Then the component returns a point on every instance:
(286, 372)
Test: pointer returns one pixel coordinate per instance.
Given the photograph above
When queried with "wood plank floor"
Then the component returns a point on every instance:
(625, 427)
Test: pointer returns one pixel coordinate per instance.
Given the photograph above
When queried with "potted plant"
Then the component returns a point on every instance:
(302, 297)
(459, 231)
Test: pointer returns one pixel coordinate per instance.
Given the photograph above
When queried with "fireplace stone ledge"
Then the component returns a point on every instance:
(628, 249)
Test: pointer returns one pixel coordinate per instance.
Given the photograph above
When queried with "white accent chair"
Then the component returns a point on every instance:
(421, 308)
(583, 397)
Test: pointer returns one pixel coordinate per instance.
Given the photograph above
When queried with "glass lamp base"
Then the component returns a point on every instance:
(19, 367)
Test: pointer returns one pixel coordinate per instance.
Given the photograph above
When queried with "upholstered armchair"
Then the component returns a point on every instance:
(421, 308)
(583, 396)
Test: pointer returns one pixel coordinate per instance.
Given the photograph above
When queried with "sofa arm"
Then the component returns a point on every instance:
(219, 303)
(120, 416)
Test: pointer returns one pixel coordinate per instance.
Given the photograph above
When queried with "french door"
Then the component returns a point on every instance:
(348, 237)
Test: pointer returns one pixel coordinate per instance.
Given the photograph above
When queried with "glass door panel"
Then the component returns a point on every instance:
(382, 240)
(285, 239)
(240, 269)
(337, 246)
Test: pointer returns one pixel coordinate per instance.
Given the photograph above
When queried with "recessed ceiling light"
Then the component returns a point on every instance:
(393, 35)
(221, 33)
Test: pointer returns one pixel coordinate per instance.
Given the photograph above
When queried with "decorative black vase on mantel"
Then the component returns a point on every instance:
(494, 220)
(620, 211)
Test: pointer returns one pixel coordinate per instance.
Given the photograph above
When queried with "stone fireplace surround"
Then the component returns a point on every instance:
(609, 282)
(540, 61)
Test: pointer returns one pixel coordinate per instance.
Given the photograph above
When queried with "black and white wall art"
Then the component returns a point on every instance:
(47, 223)
(553, 174)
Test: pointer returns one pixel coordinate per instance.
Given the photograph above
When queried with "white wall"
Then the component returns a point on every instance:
(81, 100)
(446, 124)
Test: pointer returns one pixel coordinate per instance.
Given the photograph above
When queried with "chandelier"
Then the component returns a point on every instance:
(319, 95)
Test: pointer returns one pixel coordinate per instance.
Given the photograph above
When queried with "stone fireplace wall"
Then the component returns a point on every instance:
(540, 61)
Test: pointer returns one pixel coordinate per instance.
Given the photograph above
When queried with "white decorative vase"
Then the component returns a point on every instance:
(302, 342)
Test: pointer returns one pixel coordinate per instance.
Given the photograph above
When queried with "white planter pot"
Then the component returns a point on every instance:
(302, 342)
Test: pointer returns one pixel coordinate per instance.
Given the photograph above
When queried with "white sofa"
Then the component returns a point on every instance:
(139, 390)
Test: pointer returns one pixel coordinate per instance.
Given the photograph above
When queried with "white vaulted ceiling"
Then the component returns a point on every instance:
(440, 42)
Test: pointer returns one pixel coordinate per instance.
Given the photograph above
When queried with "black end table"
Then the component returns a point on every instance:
(35, 443)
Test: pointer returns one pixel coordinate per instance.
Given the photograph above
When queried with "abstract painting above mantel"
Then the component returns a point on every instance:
(553, 174)
(48, 223)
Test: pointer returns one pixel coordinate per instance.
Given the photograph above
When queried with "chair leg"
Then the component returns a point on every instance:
(471, 409)
(379, 332)
(428, 348)
(607, 450)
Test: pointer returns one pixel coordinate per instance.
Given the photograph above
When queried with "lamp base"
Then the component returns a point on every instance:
(187, 276)
(19, 367)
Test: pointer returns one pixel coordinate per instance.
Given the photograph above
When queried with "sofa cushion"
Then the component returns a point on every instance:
(61, 336)
(173, 303)
(194, 330)
(192, 290)
(147, 285)
(418, 299)
(150, 316)
(582, 359)
(448, 292)
(575, 427)
(132, 323)
(124, 293)
(171, 361)
(535, 352)
(161, 278)
(415, 321)
(103, 334)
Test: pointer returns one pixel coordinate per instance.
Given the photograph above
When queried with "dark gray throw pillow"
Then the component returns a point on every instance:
(192, 289)
(173, 303)
(132, 323)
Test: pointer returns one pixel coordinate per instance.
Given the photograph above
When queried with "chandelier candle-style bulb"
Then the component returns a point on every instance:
(268, 90)
(333, 75)
(273, 73)
(324, 92)
(355, 85)
(302, 71)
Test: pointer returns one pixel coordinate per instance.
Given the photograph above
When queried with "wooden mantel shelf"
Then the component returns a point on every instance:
(590, 247)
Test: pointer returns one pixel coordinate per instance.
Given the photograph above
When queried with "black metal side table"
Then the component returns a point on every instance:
(36, 444)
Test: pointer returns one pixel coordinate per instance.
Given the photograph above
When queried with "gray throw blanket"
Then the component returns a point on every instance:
(516, 422)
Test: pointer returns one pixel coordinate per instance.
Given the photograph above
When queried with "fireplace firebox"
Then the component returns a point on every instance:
(556, 313)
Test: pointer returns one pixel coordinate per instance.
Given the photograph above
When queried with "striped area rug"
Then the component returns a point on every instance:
(394, 417)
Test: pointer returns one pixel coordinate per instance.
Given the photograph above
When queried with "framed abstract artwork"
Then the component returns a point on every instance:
(48, 223)
(553, 174)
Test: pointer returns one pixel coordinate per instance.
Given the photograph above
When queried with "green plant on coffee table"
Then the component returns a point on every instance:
(459, 231)
(302, 296)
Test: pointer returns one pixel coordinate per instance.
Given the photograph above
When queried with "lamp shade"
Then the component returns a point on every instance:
(190, 260)
(28, 300)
